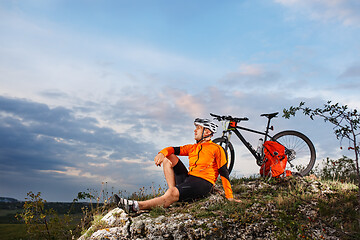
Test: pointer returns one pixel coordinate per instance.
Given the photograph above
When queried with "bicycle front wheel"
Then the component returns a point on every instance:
(229, 151)
(299, 149)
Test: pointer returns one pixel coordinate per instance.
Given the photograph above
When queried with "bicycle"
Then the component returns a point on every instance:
(298, 147)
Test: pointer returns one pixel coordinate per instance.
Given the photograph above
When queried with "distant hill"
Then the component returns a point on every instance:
(8, 200)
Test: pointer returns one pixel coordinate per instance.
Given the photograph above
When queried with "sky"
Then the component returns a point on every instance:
(91, 91)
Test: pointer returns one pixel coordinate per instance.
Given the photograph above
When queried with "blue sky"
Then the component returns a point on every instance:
(90, 91)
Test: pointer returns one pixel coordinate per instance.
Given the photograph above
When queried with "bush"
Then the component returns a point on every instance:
(343, 169)
(44, 223)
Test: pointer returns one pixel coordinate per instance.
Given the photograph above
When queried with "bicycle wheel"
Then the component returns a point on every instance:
(230, 153)
(299, 149)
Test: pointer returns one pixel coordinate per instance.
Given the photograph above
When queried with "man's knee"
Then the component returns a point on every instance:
(173, 194)
(167, 163)
(173, 159)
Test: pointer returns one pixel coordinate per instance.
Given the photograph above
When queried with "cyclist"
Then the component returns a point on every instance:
(206, 161)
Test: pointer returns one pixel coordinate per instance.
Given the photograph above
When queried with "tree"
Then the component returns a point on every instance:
(43, 223)
(346, 125)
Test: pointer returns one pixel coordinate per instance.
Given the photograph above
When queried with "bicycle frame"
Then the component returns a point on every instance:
(297, 145)
(232, 127)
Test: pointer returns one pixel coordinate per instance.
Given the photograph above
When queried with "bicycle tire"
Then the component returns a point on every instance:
(300, 150)
(230, 151)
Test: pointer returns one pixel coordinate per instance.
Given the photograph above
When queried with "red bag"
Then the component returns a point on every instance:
(274, 161)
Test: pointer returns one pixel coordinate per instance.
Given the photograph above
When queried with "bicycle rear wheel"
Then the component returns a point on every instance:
(229, 151)
(299, 149)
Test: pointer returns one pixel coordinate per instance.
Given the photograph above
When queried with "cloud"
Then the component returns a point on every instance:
(351, 72)
(48, 61)
(53, 94)
(251, 76)
(72, 171)
(345, 11)
(348, 81)
(41, 142)
(188, 104)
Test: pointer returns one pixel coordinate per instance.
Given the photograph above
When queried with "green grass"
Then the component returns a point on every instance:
(13, 231)
(157, 211)
(5, 212)
(17, 231)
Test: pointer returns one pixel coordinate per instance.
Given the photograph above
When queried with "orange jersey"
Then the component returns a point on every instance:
(206, 160)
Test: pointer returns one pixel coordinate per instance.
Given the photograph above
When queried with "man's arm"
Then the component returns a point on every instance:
(224, 174)
(183, 151)
(179, 151)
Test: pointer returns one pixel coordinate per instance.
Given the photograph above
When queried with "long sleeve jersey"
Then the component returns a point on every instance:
(206, 160)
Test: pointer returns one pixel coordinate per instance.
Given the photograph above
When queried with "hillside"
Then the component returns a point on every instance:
(291, 208)
(8, 200)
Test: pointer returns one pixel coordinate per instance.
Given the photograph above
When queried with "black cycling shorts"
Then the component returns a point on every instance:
(190, 187)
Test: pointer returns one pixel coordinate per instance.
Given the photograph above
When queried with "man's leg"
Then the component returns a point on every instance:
(170, 196)
(168, 165)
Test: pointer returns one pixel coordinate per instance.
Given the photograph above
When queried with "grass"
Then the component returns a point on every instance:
(5, 212)
(13, 231)
(97, 224)
(296, 207)
(157, 211)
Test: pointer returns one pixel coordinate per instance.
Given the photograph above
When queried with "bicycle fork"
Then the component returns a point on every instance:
(226, 135)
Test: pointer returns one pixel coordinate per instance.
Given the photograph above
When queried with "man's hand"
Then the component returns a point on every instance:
(159, 159)
(234, 200)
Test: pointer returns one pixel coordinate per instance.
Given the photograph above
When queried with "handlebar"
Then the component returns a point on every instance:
(229, 118)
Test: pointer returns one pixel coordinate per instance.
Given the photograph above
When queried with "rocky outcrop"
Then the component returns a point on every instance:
(119, 225)
(257, 217)
(175, 226)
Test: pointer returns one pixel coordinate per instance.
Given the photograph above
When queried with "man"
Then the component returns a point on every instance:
(206, 161)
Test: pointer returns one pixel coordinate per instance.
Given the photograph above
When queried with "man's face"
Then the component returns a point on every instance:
(198, 132)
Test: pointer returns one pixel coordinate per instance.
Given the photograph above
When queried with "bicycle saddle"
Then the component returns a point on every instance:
(269, 115)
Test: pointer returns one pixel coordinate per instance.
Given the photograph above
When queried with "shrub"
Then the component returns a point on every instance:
(44, 223)
(343, 169)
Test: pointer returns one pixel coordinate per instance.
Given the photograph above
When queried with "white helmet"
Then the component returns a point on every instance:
(206, 123)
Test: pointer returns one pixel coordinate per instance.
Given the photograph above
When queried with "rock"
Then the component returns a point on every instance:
(115, 217)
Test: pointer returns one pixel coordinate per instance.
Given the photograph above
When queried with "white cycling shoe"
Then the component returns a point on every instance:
(129, 206)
